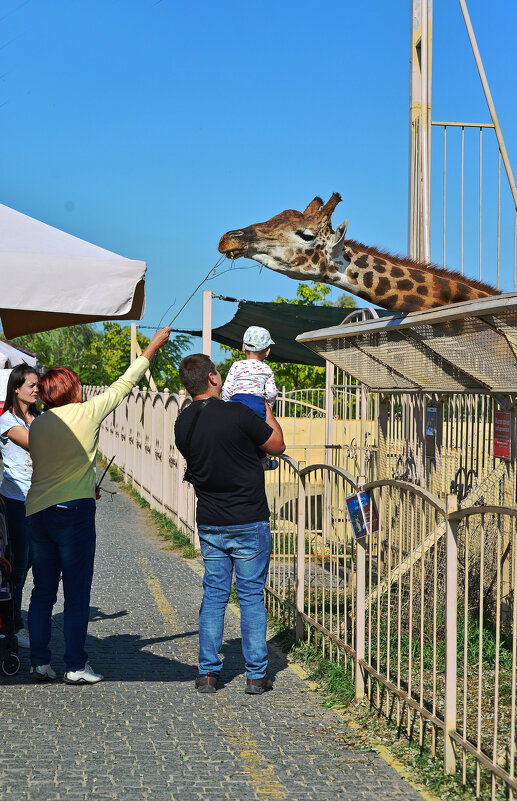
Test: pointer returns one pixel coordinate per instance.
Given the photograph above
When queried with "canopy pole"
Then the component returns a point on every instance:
(490, 102)
(207, 322)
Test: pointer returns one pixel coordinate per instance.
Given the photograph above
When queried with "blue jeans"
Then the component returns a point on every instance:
(19, 548)
(245, 548)
(62, 541)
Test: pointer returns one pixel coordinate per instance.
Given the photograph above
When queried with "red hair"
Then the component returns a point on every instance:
(58, 387)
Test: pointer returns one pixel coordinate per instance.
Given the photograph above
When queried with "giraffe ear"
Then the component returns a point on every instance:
(336, 248)
(313, 206)
(340, 232)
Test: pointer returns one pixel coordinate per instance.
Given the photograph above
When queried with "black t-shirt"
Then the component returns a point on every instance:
(224, 465)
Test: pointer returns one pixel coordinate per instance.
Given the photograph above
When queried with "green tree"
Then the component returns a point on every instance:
(116, 347)
(72, 346)
(100, 357)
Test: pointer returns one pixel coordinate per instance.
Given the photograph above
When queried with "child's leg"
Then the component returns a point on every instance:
(257, 404)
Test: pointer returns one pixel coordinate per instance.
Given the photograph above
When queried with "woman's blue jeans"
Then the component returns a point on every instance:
(62, 541)
(17, 532)
(245, 548)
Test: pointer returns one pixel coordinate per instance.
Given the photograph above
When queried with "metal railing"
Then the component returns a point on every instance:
(421, 614)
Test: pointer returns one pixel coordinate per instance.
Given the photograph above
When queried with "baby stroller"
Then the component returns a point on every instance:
(9, 661)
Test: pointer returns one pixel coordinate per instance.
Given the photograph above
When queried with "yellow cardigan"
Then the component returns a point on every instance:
(63, 444)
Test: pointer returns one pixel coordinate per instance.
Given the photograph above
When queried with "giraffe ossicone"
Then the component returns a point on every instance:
(304, 246)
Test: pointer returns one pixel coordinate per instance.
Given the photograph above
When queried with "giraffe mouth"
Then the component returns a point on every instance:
(234, 254)
(231, 245)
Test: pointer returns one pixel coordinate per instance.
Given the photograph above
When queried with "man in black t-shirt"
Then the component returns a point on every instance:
(219, 442)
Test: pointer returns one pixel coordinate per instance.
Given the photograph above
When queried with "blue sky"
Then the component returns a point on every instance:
(151, 127)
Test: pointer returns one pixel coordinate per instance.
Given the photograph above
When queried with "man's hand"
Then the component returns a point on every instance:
(275, 445)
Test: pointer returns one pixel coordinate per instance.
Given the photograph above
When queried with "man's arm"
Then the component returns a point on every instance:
(275, 445)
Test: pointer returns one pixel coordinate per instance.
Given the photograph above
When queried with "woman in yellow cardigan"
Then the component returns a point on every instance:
(61, 509)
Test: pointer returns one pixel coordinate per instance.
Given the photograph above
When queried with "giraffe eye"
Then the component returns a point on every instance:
(306, 235)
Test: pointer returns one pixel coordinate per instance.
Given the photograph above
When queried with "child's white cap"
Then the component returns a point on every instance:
(256, 338)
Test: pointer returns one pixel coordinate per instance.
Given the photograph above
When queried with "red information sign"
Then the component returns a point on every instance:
(502, 435)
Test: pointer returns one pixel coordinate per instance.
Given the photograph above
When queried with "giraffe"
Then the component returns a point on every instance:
(304, 246)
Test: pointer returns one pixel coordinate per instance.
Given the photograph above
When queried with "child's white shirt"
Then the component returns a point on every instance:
(250, 377)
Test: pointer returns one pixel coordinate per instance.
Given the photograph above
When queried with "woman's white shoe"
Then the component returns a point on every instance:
(22, 635)
(85, 676)
(43, 673)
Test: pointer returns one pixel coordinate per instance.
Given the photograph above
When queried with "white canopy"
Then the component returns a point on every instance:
(50, 279)
(11, 355)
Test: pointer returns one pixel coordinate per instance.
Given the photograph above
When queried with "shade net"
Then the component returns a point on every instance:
(284, 321)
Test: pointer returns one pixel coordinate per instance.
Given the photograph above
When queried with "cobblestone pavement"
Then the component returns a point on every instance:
(144, 732)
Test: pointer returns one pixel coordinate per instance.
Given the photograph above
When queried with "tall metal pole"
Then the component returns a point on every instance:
(207, 322)
(425, 135)
(420, 85)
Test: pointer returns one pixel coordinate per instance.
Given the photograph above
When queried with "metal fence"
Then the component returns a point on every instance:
(421, 614)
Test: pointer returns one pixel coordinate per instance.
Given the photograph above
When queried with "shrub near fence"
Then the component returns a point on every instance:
(422, 614)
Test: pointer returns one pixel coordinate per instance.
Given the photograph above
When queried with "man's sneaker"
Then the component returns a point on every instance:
(270, 464)
(206, 682)
(43, 673)
(22, 635)
(85, 676)
(258, 686)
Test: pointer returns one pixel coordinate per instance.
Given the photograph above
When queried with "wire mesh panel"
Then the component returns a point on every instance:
(352, 359)
(482, 351)
(404, 627)
(354, 430)
(282, 496)
(414, 361)
(487, 651)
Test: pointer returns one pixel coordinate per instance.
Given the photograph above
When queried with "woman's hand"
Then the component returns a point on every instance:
(158, 340)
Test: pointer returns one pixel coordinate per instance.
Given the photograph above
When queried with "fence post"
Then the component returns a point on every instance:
(165, 452)
(451, 634)
(360, 616)
(300, 555)
(181, 510)
(360, 608)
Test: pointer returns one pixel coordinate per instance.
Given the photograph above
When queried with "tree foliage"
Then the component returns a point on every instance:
(296, 376)
(100, 357)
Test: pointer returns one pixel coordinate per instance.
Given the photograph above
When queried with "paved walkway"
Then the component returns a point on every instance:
(144, 732)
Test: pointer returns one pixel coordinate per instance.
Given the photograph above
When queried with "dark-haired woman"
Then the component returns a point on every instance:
(61, 509)
(18, 414)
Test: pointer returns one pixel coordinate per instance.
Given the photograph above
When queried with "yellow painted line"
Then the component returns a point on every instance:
(383, 752)
(259, 770)
(169, 615)
(196, 566)
(256, 766)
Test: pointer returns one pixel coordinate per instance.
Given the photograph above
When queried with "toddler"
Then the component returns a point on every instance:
(251, 381)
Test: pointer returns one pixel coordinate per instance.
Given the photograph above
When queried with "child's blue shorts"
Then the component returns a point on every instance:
(256, 403)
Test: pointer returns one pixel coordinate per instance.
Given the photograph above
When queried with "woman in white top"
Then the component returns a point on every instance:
(19, 412)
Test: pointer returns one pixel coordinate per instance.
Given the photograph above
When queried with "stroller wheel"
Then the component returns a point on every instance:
(10, 665)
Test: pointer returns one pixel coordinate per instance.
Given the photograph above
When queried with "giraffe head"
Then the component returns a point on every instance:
(304, 246)
(297, 244)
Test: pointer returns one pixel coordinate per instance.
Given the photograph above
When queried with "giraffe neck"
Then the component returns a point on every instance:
(400, 284)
